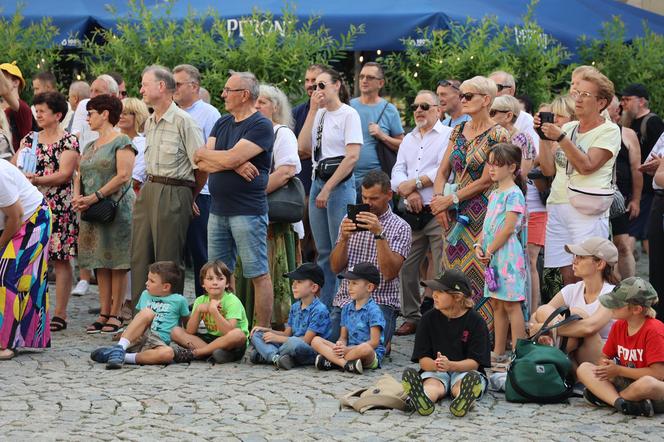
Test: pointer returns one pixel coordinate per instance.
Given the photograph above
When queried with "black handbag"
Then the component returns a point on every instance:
(286, 204)
(104, 210)
(386, 156)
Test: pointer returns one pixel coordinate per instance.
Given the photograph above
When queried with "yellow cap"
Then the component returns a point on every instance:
(12, 69)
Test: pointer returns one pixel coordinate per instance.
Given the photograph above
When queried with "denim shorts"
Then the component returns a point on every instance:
(450, 379)
(243, 235)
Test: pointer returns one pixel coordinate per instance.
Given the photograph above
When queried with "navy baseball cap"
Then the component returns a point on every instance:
(308, 270)
(362, 270)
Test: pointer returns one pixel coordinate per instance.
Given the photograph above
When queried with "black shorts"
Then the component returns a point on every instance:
(620, 225)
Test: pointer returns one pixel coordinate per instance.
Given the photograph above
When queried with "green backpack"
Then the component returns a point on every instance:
(541, 373)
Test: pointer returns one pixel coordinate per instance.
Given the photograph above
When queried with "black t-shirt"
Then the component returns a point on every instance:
(231, 194)
(623, 169)
(300, 116)
(654, 129)
(466, 337)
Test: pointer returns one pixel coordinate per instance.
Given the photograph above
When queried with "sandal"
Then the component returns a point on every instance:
(58, 324)
(96, 326)
(108, 329)
(7, 354)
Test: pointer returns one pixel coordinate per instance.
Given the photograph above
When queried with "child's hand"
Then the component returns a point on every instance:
(214, 305)
(269, 336)
(607, 370)
(257, 329)
(203, 308)
(442, 363)
(479, 253)
(339, 348)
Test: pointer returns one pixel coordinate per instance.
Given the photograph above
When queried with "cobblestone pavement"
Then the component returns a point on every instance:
(60, 394)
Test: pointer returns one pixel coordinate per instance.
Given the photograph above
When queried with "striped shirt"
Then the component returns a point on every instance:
(362, 248)
(170, 144)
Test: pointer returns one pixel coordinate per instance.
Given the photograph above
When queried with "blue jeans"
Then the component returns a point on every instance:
(244, 235)
(295, 347)
(325, 228)
(197, 239)
(389, 313)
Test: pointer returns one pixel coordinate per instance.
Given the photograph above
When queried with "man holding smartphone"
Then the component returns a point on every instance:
(385, 243)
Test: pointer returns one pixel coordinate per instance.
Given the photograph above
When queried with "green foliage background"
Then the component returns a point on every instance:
(540, 64)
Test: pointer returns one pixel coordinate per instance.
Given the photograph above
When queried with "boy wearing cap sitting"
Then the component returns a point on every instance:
(452, 348)
(307, 319)
(361, 341)
(632, 385)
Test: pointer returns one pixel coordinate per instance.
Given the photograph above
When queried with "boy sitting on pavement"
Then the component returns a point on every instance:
(361, 342)
(146, 340)
(452, 348)
(225, 319)
(632, 386)
(307, 319)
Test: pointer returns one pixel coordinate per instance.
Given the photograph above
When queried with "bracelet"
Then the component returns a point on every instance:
(476, 245)
(99, 195)
(562, 135)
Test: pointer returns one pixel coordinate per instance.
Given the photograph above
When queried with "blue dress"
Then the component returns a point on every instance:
(510, 260)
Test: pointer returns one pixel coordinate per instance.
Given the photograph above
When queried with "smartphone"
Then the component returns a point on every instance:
(353, 210)
(545, 117)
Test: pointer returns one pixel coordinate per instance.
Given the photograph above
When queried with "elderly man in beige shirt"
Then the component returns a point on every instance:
(164, 207)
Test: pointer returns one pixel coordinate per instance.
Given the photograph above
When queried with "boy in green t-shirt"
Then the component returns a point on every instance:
(224, 317)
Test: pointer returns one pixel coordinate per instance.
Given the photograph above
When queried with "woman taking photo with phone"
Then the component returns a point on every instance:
(332, 137)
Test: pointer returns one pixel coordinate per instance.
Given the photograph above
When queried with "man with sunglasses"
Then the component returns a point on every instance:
(380, 122)
(524, 122)
(450, 104)
(413, 175)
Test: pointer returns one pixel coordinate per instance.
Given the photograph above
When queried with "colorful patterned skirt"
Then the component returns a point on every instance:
(24, 319)
(282, 256)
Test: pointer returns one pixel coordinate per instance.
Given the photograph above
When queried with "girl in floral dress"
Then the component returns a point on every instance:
(500, 248)
(57, 157)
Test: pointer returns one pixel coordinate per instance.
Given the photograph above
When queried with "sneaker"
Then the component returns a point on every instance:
(101, 354)
(81, 288)
(637, 408)
(116, 357)
(285, 362)
(414, 388)
(221, 356)
(181, 354)
(469, 391)
(590, 397)
(354, 366)
(256, 358)
(323, 364)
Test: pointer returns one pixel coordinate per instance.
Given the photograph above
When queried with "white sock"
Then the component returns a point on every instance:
(124, 342)
(130, 358)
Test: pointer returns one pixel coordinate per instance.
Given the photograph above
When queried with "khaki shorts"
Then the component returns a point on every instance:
(148, 341)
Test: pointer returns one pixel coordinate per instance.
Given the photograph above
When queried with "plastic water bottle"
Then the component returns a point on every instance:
(454, 235)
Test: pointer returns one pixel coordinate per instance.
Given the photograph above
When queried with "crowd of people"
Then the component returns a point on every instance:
(445, 225)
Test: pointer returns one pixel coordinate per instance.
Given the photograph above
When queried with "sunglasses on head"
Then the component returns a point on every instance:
(493, 112)
(468, 96)
(502, 86)
(446, 83)
(424, 106)
(320, 86)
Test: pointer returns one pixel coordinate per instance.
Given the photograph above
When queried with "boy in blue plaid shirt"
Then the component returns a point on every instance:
(307, 319)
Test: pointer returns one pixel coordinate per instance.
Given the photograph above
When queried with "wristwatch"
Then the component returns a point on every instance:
(455, 198)
(562, 135)
(418, 183)
(99, 195)
(379, 236)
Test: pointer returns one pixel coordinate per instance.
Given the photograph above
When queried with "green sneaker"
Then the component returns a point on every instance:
(414, 388)
(470, 391)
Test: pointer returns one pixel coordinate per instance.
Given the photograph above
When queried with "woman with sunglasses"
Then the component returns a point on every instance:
(465, 158)
(105, 172)
(332, 137)
(588, 150)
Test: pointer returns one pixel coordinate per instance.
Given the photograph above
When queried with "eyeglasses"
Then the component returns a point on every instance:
(321, 85)
(502, 86)
(446, 83)
(576, 95)
(469, 96)
(424, 106)
(368, 77)
(493, 112)
(228, 90)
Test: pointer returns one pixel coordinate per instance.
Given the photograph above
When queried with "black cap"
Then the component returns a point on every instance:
(308, 270)
(450, 280)
(362, 270)
(635, 90)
